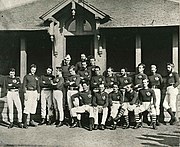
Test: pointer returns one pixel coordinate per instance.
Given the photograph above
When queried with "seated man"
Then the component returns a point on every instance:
(83, 104)
(147, 101)
(115, 100)
(100, 103)
(129, 103)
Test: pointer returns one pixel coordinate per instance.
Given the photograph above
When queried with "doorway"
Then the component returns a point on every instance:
(75, 45)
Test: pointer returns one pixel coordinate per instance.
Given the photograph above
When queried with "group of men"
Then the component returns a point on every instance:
(83, 88)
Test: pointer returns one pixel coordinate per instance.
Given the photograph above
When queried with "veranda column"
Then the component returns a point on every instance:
(175, 50)
(138, 49)
(23, 58)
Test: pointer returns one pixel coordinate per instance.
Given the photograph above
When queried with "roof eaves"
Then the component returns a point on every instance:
(54, 10)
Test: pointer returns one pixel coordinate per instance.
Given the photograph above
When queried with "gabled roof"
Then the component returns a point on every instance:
(98, 13)
(124, 13)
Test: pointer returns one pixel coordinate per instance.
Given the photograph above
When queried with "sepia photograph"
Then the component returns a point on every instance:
(90, 73)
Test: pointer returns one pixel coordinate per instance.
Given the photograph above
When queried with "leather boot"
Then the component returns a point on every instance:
(25, 121)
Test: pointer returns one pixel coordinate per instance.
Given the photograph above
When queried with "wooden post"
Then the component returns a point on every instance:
(175, 50)
(23, 58)
(138, 50)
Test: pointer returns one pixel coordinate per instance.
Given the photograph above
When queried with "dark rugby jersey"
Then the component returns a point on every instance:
(31, 82)
(155, 80)
(131, 97)
(45, 81)
(84, 97)
(100, 99)
(139, 78)
(146, 95)
(172, 78)
(75, 79)
(109, 81)
(122, 81)
(85, 74)
(115, 96)
(60, 83)
(96, 80)
(12, 83)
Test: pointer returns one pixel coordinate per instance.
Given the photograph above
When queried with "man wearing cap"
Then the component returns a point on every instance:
(79, 64)
(115, 101)
(139, 76)
(11, 86)
(85, 105)
(46, 96)
(72, 85)
(128, 104)
(31, 89)
(58, 83)
(172, 82)
(100, 103)
(155, 81)
(147, 101)
(97, 79)
(110, 79)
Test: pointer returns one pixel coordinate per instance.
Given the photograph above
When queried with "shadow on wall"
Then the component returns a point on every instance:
(161, 139)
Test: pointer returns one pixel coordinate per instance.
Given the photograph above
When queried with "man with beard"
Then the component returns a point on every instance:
(172, 81)
(79, 64)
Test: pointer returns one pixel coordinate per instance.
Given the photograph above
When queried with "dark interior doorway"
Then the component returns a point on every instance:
(156, 48)
(120, 49)
(75, 45)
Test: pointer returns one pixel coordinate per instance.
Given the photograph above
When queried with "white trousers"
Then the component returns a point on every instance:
(170, 98)
(30, 104)
(69, 94)
(58, 104)
(158, 99)
(13, 99)
(104, 111)
(114, 108)
(127, 107)
(46, 101)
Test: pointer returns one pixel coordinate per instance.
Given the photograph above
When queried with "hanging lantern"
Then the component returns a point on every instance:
(73, 8)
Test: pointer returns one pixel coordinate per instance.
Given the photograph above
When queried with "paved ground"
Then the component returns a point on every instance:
(80, 137)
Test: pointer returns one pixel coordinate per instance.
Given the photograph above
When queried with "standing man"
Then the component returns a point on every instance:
(85, 105)
(139, 77)
(115, 100)
(31, 90)
(110, 79)
(46, 96)
(65, 66)
(100, 103)
(147, 101)
(84, 73)
(79, 64)
(58, 83)
(97, 79)
(11, 86)
(91, 64)
(172, 82)
(72, 84)
(155, 81)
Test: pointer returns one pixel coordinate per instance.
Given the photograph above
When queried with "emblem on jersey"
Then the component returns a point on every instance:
(50, 78)
(112, 79)
(125, 81)
(100, 79)
(148, 93)
(157, 78)
(86, 73)
(57, 80)
(118, 97)
(103, 97)
(14, 81)
(74, 78)
(36, 78)
(89, 95)
(140, 77)
(170, 74)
